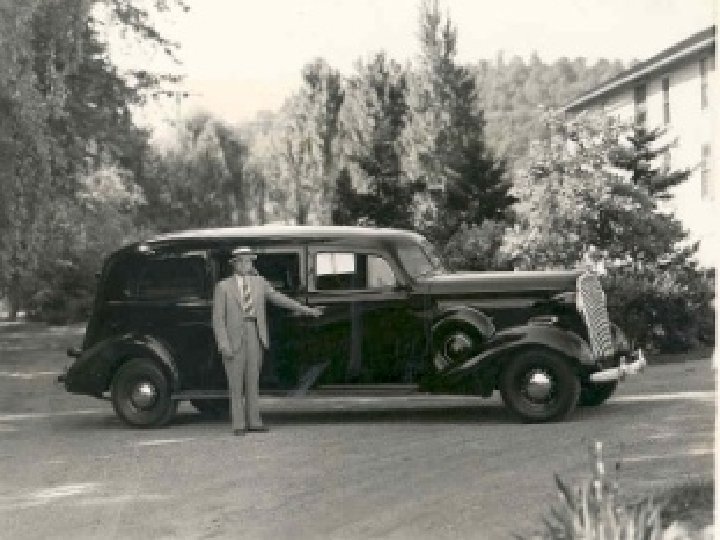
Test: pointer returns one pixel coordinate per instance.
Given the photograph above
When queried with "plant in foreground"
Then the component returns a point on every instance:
(591, 511)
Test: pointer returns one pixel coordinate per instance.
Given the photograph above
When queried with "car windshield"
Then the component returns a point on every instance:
(419, 259)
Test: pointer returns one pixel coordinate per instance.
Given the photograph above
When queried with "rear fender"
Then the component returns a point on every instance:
(93, 371)
(144, 346)
(504, 344)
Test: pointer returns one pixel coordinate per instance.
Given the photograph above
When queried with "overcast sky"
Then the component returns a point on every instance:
(242, 56)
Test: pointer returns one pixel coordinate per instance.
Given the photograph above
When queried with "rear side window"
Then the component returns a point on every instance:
(171, 278)
(166, 278)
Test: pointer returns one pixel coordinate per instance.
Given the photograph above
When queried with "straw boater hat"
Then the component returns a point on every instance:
(243, 252)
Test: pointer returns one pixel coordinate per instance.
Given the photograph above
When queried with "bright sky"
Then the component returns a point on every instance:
(243, 56)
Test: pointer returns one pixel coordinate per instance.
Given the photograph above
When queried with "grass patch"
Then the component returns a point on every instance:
(692, 502)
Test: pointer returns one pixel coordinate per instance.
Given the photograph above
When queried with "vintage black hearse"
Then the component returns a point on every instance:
(393, 317)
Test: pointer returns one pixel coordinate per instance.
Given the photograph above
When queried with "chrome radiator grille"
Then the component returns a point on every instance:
(591, 303)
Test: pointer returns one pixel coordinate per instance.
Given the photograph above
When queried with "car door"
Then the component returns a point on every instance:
(365, 312)
(284, 268)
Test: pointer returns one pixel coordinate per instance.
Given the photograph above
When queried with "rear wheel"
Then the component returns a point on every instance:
(540, 386)
(140, 393)
(593, 394)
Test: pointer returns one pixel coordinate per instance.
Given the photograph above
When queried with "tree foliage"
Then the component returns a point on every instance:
(64, 115)
(198, 180)
(373, 188)
(445, 135)
(516, 93)
(593, 192)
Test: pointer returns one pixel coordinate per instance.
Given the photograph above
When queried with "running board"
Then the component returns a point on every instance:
(365, 389)
(323, 390)
(187, 395)
(200, 394)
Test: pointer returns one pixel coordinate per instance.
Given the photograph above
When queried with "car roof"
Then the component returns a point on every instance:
(226, 236)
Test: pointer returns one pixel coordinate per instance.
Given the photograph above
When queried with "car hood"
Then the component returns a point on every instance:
(497, 282)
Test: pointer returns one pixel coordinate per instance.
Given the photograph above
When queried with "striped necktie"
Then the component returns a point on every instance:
(247, 298)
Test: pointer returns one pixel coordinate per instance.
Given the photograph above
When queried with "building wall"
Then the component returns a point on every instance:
(692, 127)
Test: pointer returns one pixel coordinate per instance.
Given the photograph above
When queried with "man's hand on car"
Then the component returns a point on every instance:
(316, 311)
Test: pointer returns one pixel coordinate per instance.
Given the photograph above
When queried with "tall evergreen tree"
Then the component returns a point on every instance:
(374, 113)
(644, 158)
(472, 185)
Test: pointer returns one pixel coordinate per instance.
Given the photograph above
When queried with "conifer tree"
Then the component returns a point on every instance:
(445, 135)
(372, 189)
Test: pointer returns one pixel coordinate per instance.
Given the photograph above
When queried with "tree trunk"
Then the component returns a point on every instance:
(14, 297)
(261, 201)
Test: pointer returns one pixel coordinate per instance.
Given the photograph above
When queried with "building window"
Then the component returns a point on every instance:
(640, 96)
(706, 66)
(666, 99)
(706, 187)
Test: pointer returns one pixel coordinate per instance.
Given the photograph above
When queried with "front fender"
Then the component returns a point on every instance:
(504, 343)
(94, 369)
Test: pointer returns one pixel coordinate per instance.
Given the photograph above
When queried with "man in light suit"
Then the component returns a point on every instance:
(240, 327)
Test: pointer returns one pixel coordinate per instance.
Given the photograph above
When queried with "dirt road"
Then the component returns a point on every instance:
(406, 467)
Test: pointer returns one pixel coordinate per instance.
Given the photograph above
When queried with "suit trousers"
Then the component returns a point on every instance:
(243, 375)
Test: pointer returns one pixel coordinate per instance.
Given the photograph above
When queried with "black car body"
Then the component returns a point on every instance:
(392, 317)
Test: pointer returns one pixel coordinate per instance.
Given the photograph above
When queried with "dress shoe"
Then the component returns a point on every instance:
(239, 432)
(259, 429)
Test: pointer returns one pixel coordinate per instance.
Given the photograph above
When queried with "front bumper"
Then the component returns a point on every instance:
(635, 366)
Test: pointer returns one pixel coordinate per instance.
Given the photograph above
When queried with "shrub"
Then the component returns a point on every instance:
(477, 247)
(592, 511)
(65, 293)
(665, 310)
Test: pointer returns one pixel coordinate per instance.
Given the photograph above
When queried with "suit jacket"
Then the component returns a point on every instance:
(227, 315)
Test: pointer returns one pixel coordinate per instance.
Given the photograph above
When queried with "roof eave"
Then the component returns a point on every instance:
(637, 74)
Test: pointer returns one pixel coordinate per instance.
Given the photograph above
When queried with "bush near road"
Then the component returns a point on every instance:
(594, 509)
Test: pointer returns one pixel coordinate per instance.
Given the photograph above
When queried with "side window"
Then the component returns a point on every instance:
(281, 270)
(171, 278)
(336, 271)
(379, 273)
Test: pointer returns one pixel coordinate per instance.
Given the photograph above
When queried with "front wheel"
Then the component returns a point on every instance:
(140, 393)
(594, 394)
(540, 386)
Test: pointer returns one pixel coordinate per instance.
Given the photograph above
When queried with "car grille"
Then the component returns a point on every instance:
(591, 303)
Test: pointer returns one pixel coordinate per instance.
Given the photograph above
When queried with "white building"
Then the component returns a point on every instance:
(676, 89)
